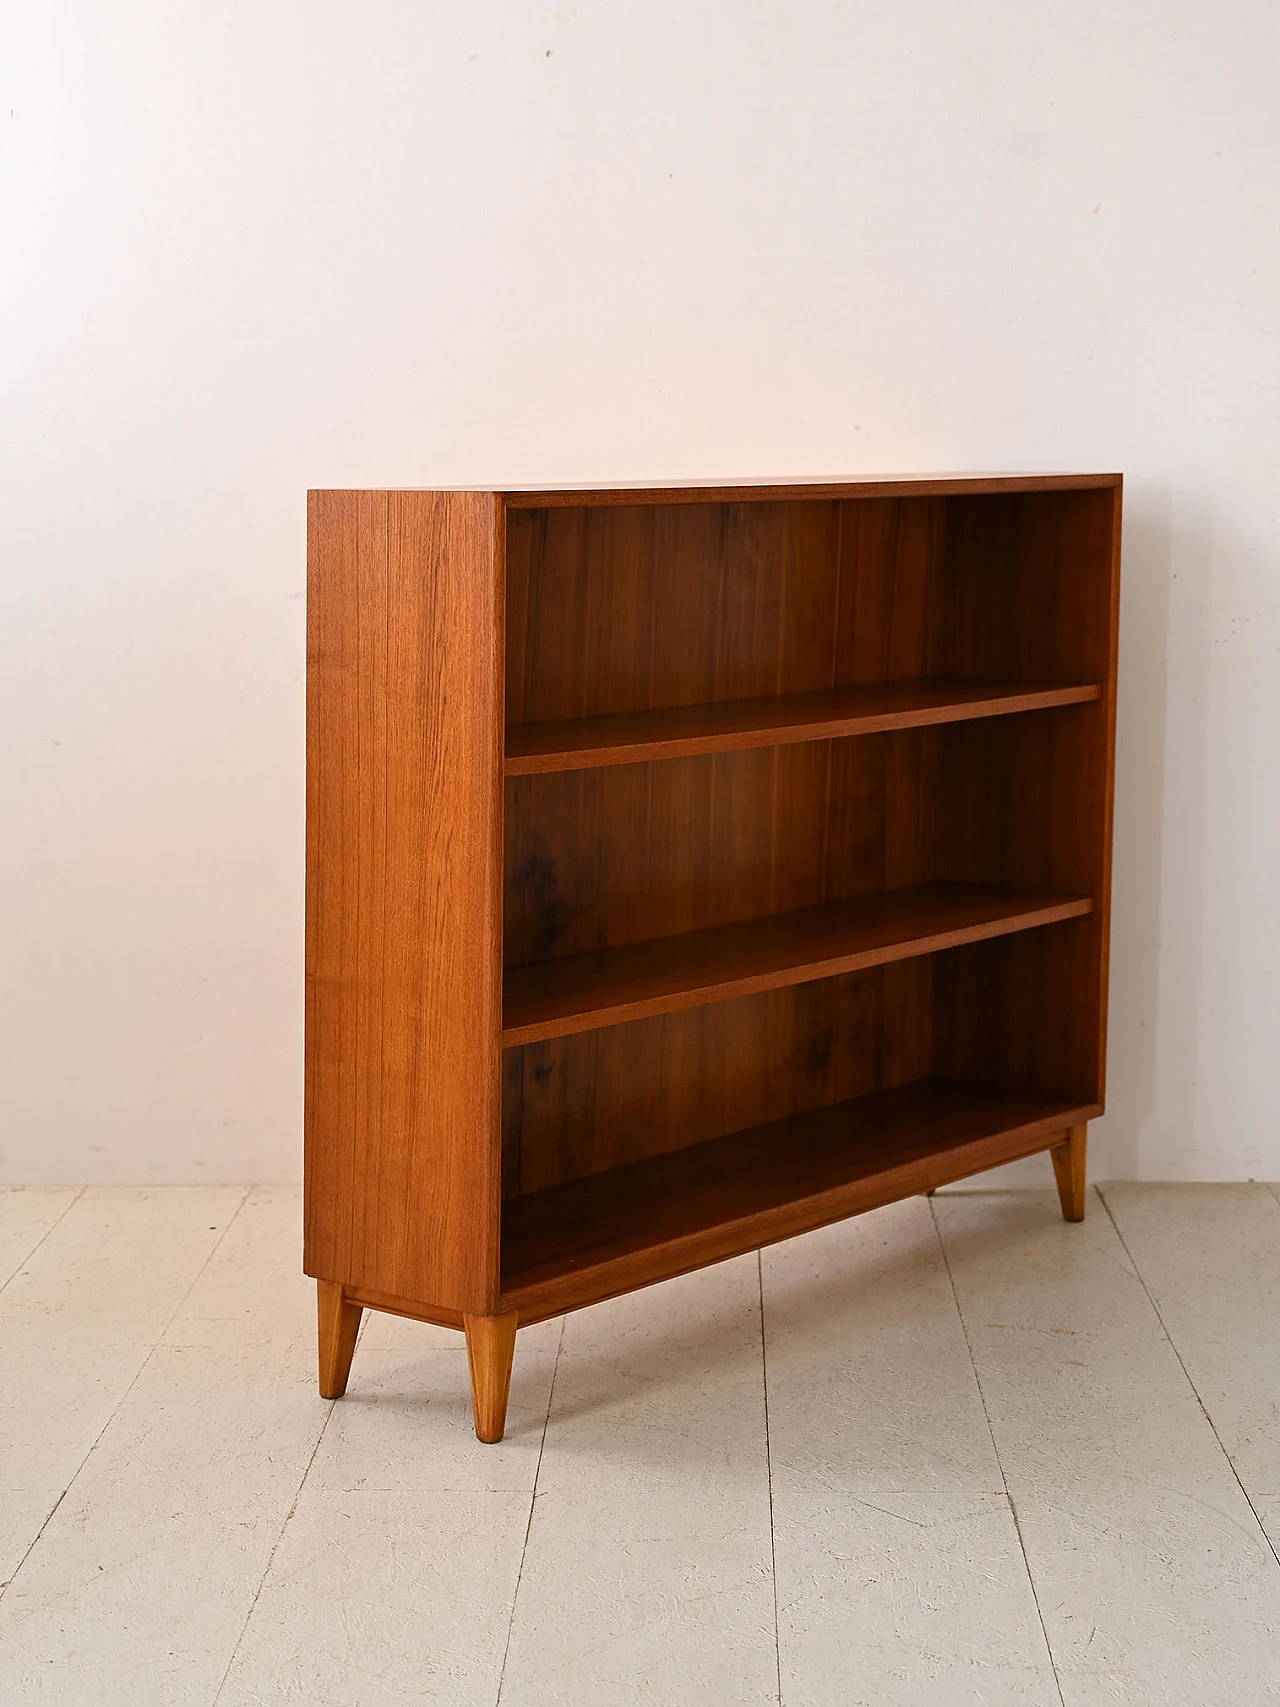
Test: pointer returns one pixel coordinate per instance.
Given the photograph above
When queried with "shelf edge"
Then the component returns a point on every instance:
(562, 759)
(781, 978)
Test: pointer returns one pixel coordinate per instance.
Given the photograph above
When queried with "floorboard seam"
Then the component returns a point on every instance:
(275, 1548)
(1187, 1373)
(768, 1462)
(137, 1376)
(995, 1447)
(23, 1261)
(528, 1528)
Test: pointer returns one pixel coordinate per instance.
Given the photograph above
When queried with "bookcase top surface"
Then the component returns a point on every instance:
(788, 487)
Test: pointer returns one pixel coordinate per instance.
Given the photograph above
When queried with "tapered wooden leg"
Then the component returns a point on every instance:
(491, 1344)
(339, 1323)
(1068, 1170)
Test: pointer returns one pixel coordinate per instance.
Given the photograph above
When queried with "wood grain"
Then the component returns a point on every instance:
(775, 721)
(622, 610)
(599, 858)
(404, 722)
(646, 978)
(626, 1227)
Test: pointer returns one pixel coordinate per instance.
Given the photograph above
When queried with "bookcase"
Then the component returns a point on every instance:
(688, 868)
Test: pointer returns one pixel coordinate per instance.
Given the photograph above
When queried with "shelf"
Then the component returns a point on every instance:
(606, 1232)
(732, 725)
(587, 991)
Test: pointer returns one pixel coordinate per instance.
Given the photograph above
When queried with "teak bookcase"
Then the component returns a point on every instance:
(687, 869)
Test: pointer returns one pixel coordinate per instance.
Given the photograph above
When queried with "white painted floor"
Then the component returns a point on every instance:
(953, 1452)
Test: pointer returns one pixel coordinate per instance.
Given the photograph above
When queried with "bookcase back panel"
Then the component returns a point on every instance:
(621, 610)
(577, 1105)
(1025, 1012)
(598, 858)
(1024, 800)
(1027, 586)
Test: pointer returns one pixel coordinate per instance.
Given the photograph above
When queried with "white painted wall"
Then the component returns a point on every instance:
(252, 248)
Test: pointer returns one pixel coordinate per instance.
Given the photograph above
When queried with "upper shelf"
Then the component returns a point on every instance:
(585, 992)
(682, 731)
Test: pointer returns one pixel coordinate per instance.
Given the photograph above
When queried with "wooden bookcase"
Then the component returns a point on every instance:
(689, 868)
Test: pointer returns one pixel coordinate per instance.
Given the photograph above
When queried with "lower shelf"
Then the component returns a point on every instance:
(609, 1232)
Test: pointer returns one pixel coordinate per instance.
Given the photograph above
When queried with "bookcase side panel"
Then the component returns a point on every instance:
(404, 756)
(1110, 530)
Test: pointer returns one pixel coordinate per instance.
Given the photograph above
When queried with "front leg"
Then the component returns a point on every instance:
(491, 1344)
(339, 1323)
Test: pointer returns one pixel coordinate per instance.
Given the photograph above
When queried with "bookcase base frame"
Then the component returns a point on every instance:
(491, 1340)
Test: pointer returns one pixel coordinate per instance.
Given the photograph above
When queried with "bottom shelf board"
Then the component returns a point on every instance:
(608, 1232)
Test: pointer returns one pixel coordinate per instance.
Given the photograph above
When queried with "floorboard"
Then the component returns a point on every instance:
(77, 1323)
(405, 1522)
(1209, 1256)
(900, 1576)
(647, 1577)
(378, 1599)
(1153, 1578)
(155, 1555)
(28, 1215)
